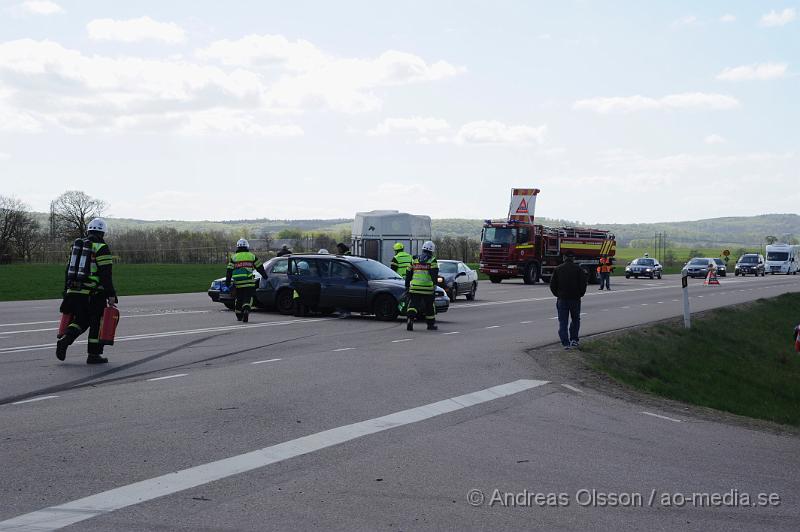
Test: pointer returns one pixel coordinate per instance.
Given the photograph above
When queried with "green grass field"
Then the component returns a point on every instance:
(738, 359)
(46, 281)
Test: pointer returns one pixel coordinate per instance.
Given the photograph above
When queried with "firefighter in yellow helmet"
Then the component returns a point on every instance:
(421, 286)
(401, 261)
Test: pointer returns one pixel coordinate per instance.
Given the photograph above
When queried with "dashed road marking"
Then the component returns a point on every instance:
(265, 361)
(35, 399)
(453, 332)
(526, 321)
(343, 349)
(106, 502)
(492, 327)
(168, 377)
(661, 417)
(402, 340)
(574, 389)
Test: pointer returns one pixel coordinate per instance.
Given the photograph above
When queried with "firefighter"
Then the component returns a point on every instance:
(421, 287)
(88, 289)
(284, 251)
(401, 260)
(240, 271)
(342, 249)
(604, 270)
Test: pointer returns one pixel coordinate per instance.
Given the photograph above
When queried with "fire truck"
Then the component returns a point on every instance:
(518, 247)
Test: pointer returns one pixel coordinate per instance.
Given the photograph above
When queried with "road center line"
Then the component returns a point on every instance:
(168, 377)
(453, 332)
(108, 501)
(402, 340)
(492, 327)
(661, 417)
(574, 389)
(35, 399)
(265, 361)
(343, 349)
(526, 321)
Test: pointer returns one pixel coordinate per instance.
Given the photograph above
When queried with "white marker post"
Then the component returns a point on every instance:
(687, 319)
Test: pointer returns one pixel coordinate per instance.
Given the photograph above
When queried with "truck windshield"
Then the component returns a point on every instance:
(780, 256)
(499, 235)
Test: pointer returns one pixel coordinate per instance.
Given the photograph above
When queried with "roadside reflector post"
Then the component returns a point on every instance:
(687, 314)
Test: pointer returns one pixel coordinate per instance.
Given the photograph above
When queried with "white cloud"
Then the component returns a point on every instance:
(773, 18)
(495, 132)
(135, 30)
(727, 18)
(688, 20)
(630, 104)
(763, 71)
(41, 7)
(227, 122)
(4, 156)
(714, 139)
(417, 124)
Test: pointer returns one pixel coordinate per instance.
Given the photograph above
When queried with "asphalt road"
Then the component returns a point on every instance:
(201, 423)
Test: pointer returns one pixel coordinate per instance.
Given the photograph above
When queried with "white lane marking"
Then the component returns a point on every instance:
(644, 304)
(454, 332)
(492, 327)
(30, 330)
(21, 349)
(699, 296)
(108, 501)
(343, 349)
(574, 389)
(265, 361)
(553, 318)
(125, 316)
(626, 306)
(35, 399)
(675, 300)
(526, 321)
(168, 377)
(661, 417)
(402, 340)
(584, 313)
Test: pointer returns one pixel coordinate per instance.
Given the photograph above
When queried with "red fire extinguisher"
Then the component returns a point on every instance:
(108, 325)
(797, 338)
(66, 319)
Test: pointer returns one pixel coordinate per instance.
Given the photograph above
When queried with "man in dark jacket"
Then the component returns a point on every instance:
(568, 284)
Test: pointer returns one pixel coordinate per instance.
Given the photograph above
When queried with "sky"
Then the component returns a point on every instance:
(620, 112)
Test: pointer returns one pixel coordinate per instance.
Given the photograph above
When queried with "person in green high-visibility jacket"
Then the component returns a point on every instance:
(88, 289)
(421, 286)
(401, 261)
(240, 270)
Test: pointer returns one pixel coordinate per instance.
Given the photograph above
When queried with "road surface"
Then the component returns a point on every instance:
(201, 423)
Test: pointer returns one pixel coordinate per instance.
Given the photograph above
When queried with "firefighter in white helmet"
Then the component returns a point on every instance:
(421, 285)
(240, 271)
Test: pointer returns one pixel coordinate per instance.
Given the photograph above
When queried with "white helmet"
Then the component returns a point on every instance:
(324, 251)
(243, 243)
(98, 224)
(429, 246)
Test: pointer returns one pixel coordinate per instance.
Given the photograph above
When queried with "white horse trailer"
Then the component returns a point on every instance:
(376, 232)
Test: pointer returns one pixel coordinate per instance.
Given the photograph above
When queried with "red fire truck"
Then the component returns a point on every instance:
(517, 247)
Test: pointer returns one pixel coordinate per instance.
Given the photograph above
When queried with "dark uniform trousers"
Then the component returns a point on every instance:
(422, 303)
(87, 311)
(243, 298)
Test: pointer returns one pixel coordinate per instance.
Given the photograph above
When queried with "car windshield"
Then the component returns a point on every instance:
(448, 267)
(749, 259)
(778, 255)
(499, 235)
(719, 262)
(376, 271)
(699, 262)
(645, 262)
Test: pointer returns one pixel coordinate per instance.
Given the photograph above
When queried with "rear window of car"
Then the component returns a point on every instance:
(699, 262)
(448, 267)
(644, 262)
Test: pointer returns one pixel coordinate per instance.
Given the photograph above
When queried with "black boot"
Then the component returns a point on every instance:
(432, 326)
(410, 324)
(96, 359)
(246, 315)
(61, 347)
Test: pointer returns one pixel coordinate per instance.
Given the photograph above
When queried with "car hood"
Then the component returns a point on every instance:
(396, 285)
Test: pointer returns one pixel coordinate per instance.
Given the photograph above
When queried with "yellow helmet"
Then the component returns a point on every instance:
(398, 246)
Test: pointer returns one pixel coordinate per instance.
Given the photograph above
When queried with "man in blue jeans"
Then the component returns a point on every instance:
(568, 284)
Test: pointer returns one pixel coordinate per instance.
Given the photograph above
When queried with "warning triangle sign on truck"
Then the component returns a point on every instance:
(523, 204)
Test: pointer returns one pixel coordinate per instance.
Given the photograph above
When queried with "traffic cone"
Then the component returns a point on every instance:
(711, 278)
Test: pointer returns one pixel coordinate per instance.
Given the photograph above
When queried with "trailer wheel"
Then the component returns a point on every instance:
(495, 279)
(531, 275)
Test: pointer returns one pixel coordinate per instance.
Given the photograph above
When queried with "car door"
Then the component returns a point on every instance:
(303, 272)
(343, 287)
(276, 278)
(462, 281)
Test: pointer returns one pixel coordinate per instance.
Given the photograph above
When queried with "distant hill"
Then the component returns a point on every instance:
(729, 231)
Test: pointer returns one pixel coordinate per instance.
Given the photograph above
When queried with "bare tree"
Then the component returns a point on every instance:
(72, 212)
(16, 223)
(770, 239)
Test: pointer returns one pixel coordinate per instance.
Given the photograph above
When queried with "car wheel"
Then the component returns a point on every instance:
(453, 294)
(531, 275)
(229, 304)
(385, 308)
(495, 280)
(471, 293)
(284, 302)
(627, 276)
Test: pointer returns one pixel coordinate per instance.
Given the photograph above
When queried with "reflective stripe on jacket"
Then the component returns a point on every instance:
(101, 257)
(241, 265)
(401, 262)
(422, 281)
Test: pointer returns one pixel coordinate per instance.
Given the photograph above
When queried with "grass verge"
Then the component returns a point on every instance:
(46, 281)
(737, 359)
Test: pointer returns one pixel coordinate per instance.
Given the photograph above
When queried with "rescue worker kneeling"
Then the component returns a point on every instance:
(240, 271)
(88, 288)
(422, 288)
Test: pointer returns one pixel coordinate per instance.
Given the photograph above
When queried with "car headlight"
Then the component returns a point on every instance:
(648, 269)
(627, 268)
(440, 279)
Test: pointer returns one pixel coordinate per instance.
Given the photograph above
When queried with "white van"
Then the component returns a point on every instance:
(783, 258)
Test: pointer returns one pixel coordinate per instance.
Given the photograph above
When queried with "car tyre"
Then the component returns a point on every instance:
(453, 294)
(385, 308)
(472, 292)
(531, 275)
(284, 303)
(627, 276)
